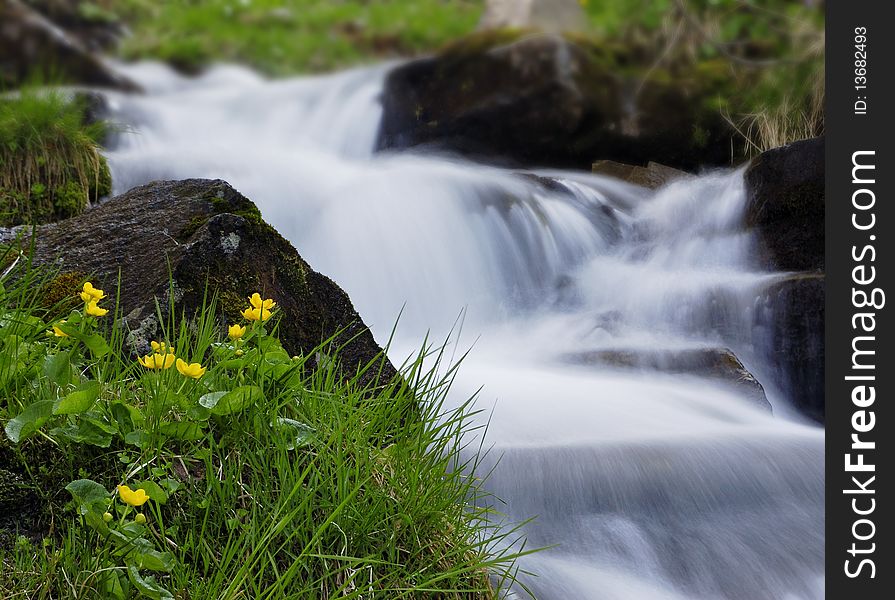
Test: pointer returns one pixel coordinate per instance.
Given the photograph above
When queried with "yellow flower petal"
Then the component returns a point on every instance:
(58, 332)
(88, 293)
(95, 311)
(236, 332)
(157, 360)
(160, 347)
(136, 497)
(194, 370)
(252, 314)
(256, 302)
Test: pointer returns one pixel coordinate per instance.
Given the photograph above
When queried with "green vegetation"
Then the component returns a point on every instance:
(248, 473)
(767, 56)
(50, 165)
(282, 37)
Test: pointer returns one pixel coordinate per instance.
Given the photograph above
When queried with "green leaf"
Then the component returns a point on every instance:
(236, 400)
(78, 401)
(93, 341)
(126, 416)
(211, 399)
(30, 420)
(86, 491)
(181, 430)
(114, 587)
(153, 490)
(148, 587)
(57, 368)
(138, 438)
(90, 498)
(88, 431)
(299, 434)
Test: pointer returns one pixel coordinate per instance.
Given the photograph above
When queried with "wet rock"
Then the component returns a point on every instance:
(786, 201)
(540, 99)
(714, 363)
(206, 232)
(31, 45)
(546, 15)
(794, 319)
(652, 176)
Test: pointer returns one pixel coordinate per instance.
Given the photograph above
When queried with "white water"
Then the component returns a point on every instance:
(654, 486)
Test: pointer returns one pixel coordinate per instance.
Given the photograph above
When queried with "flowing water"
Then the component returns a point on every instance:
(651, 485)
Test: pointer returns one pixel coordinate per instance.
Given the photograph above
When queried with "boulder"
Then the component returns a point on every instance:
(205, 232)
(719, 364)
(793, 318)
(785, 190)
(547, 15)
(537, 99)
(31, 45)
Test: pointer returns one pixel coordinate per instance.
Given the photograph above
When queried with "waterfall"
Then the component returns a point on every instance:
(648, 483)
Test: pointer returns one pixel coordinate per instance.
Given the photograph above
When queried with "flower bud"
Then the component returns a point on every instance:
(140, 518)
(107, 517)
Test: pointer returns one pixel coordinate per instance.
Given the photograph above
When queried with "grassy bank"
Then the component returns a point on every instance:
(249, 474)
(50, 165)
(282, 37)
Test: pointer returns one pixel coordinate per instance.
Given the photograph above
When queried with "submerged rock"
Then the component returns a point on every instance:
(713, 363)
(652, 176)
(203, 231)
(31, 45)
(551, 100)
(794, 319)
(786, 204)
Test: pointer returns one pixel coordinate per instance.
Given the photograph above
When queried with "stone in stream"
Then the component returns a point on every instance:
(206, 232)
(652, 176)
(793, 317)
(786, 205)
(718, 364)
(31, 45)
(538, 99)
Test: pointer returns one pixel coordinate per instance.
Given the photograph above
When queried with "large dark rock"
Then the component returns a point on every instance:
(551, 100)
(719, 364)
(794, 321)
(786, 202)
(205, 232)
(33, 46)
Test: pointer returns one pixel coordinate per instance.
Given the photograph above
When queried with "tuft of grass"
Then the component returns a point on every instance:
(284, 37)
(50, 165)
(269, 476)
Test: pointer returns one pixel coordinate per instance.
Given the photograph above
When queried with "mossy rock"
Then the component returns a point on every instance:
(209, 239)
(539, 99)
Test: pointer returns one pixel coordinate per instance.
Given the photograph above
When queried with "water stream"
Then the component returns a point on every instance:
(652, 485)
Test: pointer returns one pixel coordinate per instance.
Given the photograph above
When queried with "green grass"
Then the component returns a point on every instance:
(267, 478)
(283, 37)
(50, 165)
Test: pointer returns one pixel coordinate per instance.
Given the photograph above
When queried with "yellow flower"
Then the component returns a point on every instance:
(157, 360)
(136, 497)
(95, 311)
(256, 302)
(194, 370)
(256, 314)
(236, 332)
(58, 332)
(161, 347)
(90, 293)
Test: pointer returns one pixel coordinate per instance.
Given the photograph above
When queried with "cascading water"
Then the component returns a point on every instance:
(652, 485)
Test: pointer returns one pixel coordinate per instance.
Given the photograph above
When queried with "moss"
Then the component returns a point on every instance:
(59, 295)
